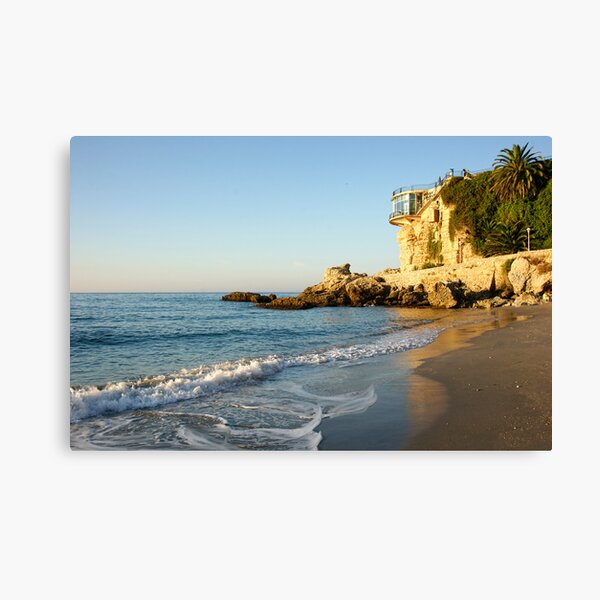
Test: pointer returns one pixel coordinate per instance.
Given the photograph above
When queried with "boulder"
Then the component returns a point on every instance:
(445, 294)
(336, 297)
(528, 275)
(490, 303)
(366, 290)
(337, 274)
(248, 297)
(288, 303)
(541, 278)
(520, 275)
(526, 298)
(241, 297)
(411, 297)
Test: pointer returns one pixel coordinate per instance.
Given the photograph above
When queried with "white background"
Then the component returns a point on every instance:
(353, 525)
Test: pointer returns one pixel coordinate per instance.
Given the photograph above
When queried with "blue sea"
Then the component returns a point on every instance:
(190, 371)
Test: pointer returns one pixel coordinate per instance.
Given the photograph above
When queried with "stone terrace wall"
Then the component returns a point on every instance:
(478, 274)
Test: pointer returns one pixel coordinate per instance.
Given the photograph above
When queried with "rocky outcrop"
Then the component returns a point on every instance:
(248, 297)
(486, 283)
(367, 290)
(288, 303)
(530, 275)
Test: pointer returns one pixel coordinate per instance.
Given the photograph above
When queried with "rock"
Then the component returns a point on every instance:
(541, 278)
(288, 303)
(393, 295)
(489, 303)
(445, 294)
(336, 297)
(366, 290)
(526, 298)
(248, 297)
(241, 297)
(334, 274)
(520, 274)
(408, 297)
(530, 275)
(332, 290)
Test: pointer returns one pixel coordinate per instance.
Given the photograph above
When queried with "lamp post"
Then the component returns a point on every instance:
(528, 239)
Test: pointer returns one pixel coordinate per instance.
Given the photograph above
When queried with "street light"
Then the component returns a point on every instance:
(528, 239)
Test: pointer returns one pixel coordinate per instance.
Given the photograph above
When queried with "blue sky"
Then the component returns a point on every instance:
(247, 213)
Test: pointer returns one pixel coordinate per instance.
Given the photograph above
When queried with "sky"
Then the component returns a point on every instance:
(266, 214)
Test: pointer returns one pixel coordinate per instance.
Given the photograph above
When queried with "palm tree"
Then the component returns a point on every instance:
(518, 172)
(508, 237)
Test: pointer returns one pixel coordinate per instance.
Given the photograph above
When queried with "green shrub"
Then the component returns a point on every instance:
(495, 226)
(507, 265)
(541, 220)
(508, 237)
(434, 247)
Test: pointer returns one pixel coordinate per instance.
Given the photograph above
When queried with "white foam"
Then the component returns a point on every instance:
(340, 404)
(296, 438)
(90, 401)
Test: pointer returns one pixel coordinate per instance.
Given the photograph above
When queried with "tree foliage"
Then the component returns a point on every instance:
(495, 225)
(519, 172)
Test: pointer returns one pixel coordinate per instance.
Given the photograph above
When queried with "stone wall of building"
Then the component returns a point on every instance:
(425, 240)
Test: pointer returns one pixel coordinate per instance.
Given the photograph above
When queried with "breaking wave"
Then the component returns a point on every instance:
(187, 384)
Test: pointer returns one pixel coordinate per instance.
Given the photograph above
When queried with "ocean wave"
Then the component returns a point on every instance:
(187, 384)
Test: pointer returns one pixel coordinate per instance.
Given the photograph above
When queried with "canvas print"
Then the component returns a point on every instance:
(311, 293)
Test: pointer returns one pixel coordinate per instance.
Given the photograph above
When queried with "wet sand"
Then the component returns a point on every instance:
(498, 384)
(484, 384)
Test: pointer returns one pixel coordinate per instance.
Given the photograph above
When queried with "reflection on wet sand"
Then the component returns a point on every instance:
(427, 399)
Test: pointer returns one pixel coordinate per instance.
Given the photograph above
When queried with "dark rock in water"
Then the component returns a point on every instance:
(273, 296)
(240, 296)
(324, 298)
(288, 304)
(248, 297)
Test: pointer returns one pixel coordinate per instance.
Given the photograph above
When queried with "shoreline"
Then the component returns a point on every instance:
(498, 385)
(460, 391)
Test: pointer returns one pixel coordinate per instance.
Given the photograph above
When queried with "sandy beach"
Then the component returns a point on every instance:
(483, 384)
(498, 384)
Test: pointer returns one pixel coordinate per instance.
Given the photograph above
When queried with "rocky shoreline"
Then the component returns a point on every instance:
(513, 280)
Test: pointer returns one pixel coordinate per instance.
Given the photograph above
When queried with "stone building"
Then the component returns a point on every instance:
(424, 222)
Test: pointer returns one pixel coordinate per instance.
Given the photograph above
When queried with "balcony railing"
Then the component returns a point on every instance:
(412, 188)
(449, 175)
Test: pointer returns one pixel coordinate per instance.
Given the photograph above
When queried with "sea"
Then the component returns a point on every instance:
(188, 371)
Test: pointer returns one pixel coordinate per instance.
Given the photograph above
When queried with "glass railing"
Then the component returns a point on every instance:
(416, 186)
